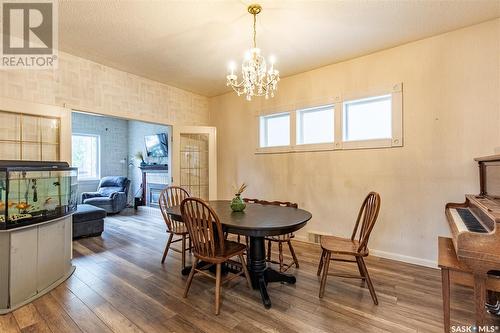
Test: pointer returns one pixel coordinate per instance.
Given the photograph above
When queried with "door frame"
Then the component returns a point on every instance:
(212, 155)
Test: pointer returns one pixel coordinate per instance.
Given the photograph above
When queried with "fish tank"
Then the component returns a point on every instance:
(35, 192)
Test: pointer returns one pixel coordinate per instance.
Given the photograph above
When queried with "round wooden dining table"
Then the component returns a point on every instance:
(257, 221)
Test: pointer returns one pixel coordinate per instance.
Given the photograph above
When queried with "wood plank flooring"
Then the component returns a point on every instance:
(120, 286)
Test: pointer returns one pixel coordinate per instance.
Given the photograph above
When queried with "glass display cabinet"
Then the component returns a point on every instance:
(35, 192)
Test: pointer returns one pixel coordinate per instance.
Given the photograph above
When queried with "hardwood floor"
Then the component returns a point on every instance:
(120, 286)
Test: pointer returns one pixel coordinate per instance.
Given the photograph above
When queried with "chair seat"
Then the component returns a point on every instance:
(281, 238)
(341, 245)
(231, 249)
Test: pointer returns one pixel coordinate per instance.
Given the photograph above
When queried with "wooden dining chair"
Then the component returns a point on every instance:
(280, 239)
(169, 197)
(341, 249)
(209, 244)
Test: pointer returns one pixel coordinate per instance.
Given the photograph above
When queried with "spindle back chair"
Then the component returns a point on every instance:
(209, 244)
(337, 248)
(280, 239)
(169, 197)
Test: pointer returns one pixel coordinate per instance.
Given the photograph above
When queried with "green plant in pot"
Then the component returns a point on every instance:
(237, 204)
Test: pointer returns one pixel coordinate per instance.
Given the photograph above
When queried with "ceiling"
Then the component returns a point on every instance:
(189, 44)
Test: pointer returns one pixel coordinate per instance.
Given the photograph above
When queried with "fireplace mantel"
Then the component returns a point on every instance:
(154, 168)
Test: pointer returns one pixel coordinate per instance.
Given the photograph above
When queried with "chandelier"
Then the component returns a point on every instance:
(257, 80)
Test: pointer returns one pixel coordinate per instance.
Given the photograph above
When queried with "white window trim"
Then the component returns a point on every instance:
(318, 145)
(274, 149)
(98, 176)
(396, 91)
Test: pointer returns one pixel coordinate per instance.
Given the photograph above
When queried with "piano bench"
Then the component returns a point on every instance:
(455, 272)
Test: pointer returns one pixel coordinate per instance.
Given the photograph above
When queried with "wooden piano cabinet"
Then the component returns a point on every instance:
(454, 271)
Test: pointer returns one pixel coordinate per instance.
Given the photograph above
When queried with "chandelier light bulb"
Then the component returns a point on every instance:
(232, 67)
(256, 78)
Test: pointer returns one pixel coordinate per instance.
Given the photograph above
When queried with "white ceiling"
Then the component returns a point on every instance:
(189, 44)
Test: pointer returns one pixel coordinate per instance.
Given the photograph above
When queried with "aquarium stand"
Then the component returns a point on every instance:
(36, 259)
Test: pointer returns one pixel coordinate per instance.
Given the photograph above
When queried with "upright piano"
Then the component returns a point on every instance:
(475, 228)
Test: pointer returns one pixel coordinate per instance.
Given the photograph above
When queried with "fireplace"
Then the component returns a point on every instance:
(154, 180)
(153, 194)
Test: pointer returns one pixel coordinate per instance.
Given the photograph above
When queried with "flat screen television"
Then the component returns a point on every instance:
(157, 145)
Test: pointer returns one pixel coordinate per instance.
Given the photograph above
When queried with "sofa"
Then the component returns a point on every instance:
(111, 194)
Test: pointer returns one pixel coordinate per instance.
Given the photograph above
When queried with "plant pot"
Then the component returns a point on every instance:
(237, 204)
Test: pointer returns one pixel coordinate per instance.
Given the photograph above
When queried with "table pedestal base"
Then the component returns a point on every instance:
(260, 274)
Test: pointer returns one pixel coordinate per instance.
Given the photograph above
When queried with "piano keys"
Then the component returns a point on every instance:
(466, 220)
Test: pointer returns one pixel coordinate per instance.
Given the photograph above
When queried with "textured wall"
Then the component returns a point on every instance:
(113, 134)
(88, 86)
(451, 111)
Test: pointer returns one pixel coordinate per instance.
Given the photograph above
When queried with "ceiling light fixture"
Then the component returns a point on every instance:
(257, 80)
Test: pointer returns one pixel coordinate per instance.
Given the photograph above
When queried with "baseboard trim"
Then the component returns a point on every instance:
(403, 258)
(389, 255)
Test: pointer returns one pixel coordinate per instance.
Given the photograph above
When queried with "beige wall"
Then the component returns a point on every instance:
(451, 113)
(85, 85)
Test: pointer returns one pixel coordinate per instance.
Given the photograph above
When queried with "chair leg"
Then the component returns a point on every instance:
(326, 265)
(292, 251)
(239, 238)
(245, 270)
(190, 277)
(361, 271)
(321, 262)
(369, 281)
(268, 250)
(280, 249)
(217, 288)
(183, 251)
(190, 245)
(246, 243)
(167, 247)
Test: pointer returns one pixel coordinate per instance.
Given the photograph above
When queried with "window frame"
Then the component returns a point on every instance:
(261, 121)
(396, 139)
(299, 121)
(337, 102)
(98, 155)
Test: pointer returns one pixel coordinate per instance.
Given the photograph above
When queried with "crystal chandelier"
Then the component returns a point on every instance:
(257, 80)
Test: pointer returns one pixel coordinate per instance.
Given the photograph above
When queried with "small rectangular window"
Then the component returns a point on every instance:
(315, 125)
(368, 119)
(86, 156)
(275, 130)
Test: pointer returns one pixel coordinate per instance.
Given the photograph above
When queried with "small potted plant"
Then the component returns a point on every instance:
(237, 204)
(140, 157)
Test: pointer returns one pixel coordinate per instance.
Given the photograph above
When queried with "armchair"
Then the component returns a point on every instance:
(111, 194)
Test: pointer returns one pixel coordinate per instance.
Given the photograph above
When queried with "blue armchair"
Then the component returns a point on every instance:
(111, 194)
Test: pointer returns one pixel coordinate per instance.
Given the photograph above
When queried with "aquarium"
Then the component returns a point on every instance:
(34, 192)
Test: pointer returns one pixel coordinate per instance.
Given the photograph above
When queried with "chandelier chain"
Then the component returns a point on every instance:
(254, 30)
